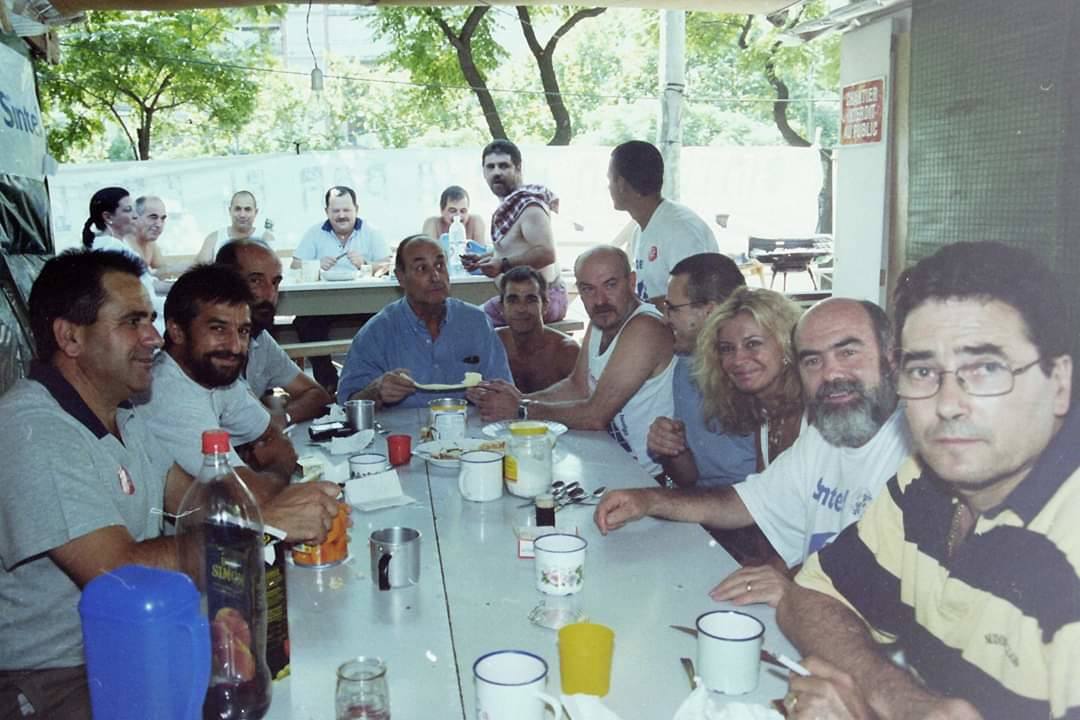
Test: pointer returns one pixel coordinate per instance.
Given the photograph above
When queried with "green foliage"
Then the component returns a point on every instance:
(126, 67)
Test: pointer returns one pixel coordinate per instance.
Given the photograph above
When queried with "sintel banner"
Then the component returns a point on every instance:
(21, 133)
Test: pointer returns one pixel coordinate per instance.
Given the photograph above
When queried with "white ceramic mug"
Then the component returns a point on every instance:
(480, 478)
(560, 563)
(510, 686)
(729, 651)
(364, 464)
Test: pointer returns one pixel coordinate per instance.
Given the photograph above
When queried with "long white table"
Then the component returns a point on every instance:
(475, 595)
(369, 295)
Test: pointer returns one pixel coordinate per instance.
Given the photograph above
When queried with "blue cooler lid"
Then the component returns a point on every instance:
(139, 594)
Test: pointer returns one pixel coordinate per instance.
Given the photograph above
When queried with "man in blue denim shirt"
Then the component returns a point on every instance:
(425, 337)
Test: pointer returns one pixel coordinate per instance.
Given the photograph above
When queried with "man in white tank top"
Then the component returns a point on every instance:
(622, 380)
(242, 213)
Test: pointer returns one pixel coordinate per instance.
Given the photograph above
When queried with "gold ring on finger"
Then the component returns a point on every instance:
(790, 700)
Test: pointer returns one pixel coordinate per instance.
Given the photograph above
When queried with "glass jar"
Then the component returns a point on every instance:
(527, 468)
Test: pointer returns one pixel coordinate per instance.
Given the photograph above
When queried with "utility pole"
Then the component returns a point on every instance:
(672, 90)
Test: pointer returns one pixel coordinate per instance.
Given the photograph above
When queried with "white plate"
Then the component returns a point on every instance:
(501, 429)
(427, 451)
(338, 275)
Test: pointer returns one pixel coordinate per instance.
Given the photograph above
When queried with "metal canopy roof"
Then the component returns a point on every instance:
(756, 7)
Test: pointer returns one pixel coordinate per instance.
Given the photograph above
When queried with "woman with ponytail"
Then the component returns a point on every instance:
(111, 214)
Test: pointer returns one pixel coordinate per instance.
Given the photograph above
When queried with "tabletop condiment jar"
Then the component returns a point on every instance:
(527, 468)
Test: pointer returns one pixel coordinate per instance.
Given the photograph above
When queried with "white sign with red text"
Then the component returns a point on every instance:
(862, 112)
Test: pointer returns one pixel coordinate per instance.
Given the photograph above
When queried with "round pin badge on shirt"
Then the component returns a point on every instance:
(653, 252)
(126, 483)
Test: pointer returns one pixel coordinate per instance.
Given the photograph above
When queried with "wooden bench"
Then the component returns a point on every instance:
(301, 350)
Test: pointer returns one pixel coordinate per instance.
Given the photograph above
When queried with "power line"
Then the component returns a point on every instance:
(741, 99)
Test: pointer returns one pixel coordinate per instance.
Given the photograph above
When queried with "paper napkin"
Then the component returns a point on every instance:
(377, 491)
(586, 707)
(350, 445)
(703, 705)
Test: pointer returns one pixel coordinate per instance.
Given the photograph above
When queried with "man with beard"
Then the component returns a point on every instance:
(539, 356)
(197, 384)
(853, 444)
(86, 484)
(268, 366)
(969, 562)
(622, 379)
(425, 337)
(520, 230)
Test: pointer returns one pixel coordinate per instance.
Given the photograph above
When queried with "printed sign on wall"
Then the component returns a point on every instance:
(22, 134)
(862, 112)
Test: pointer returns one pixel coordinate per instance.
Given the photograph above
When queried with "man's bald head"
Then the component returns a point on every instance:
(844, 352)
(604, 253)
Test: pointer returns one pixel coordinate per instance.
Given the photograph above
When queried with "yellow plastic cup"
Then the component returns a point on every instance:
(585, 651)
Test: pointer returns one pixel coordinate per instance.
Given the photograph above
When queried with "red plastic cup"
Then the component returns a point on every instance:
(399, 448)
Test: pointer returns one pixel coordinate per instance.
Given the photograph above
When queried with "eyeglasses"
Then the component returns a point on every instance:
(669, 308)
(986, 378)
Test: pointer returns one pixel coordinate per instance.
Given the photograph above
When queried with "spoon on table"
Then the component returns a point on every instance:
(559, 490)
(580, 496)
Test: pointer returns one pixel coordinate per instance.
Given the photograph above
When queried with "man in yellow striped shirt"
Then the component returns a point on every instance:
(969, 562)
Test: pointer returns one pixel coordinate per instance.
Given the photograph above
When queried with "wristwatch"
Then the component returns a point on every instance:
(504, 265)
(523, 408)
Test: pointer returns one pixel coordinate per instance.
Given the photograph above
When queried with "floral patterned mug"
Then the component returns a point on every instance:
(560, 563)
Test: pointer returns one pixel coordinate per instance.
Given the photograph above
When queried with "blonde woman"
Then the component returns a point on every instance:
(745, 367)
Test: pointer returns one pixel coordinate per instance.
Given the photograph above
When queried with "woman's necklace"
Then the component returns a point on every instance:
(777, 425)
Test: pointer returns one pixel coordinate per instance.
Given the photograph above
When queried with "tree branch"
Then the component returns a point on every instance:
(528, 31)
(745, 32)
(569, 24)
(473, 21)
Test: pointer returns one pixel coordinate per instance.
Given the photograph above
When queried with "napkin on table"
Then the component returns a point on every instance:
(580, 706)
(703, 705)
(377, 491)
(351, 444)
(336, 414)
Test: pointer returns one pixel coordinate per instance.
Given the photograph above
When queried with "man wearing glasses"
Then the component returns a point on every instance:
(690, 451)
(969, 561)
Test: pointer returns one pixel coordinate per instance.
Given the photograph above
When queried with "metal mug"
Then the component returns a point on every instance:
(395, 557)
(361, 414)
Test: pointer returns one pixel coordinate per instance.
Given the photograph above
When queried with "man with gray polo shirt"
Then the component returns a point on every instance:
(197, 381)
(86, 484)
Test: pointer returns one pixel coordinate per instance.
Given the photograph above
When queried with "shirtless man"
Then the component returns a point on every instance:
(539, 356)
(242, 213)
(520, 230)
(622, 379)
(148, 225)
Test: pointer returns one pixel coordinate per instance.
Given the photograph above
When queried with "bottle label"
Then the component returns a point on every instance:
(277, 612)
(234, 576)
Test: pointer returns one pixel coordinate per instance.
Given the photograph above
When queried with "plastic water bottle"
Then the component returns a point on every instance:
(219, 539)
(457, 245)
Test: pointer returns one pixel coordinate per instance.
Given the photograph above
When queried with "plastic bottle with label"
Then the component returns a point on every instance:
(219, 535)
(457, 241)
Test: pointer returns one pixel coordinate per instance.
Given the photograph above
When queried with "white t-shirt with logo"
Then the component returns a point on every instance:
(673, 232)
(814, 490)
